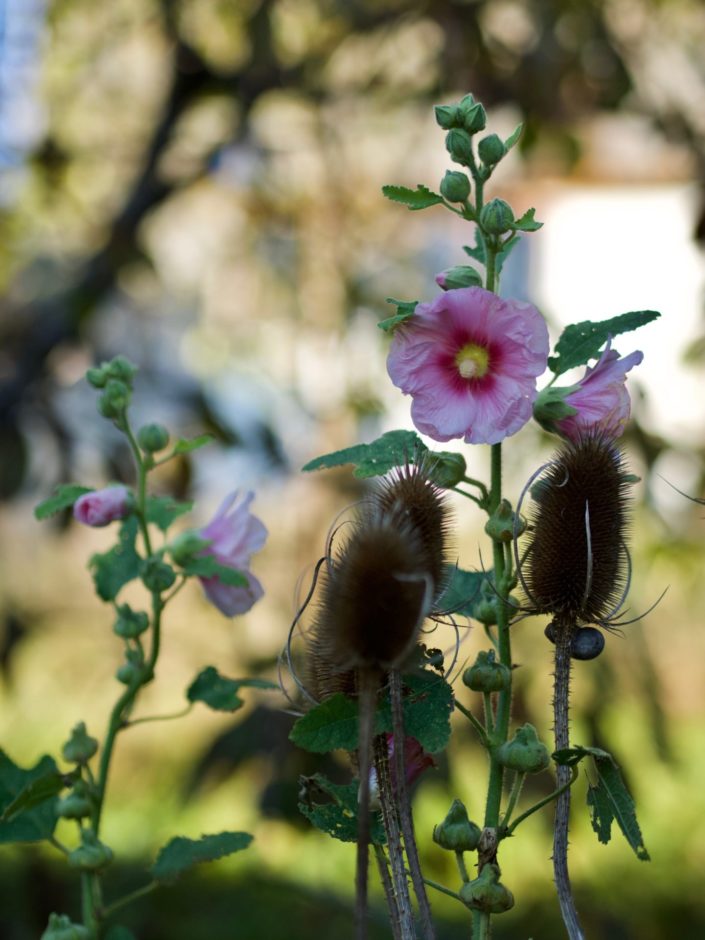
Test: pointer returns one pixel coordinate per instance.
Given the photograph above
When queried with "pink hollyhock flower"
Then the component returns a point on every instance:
(598, 404)
(234, 535)
(469, 360)
(416, 760)
(100, 507)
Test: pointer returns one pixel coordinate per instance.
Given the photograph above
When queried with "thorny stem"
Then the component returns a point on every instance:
(407, 824)
(561, 693)
(394, 846)
(385, 877)
(367, 687)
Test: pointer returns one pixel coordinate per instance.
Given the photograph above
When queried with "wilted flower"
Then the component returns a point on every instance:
(100, 507)
(469, 359)
(234, 535)
(416, 760)
(598, 404)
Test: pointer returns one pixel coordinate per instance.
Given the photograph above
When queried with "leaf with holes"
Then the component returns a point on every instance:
(580, 342)
(332, 808)
(182, 854)
(393, 449)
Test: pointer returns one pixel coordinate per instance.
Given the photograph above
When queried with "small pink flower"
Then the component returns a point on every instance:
(469, 360)
(600, 398)
(416, 760)
(100, 507)
(234, 535)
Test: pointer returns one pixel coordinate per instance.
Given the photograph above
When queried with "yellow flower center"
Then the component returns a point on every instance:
(472, 361)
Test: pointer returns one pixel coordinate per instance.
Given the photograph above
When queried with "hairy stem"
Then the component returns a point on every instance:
(407, 824)
(386, 879)
(561, 694)
(367, 687)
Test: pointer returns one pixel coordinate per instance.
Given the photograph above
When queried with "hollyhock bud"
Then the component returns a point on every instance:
(61, 927)
(497, 217)
(101, 507)
(486, 892)
(598, 404)
(152, 438)
(457, 833)
(491, 149)
(234, 535)
(486, 675)
(447, 115)
(459, 145)
(462, 275)
(525, 753)
(80, 747)
(455, 186)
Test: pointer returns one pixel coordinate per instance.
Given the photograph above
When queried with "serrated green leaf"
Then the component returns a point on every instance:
(36, 821)
(405, 310)
(113, 569)
(514, 136)
(419, 198)
(569, 756)
(506, 250)
(580, 342)
(182, 854)
(392, 449)
(478, 251)
(206, 566)
(621, 805)
(332, 808)
(330, 726)
(36, 792)
(163, 510)
(601, 815)
(527, 222)
(427, 705)
(463, 591)
(64, 496)
(221, 693)
(186, 446)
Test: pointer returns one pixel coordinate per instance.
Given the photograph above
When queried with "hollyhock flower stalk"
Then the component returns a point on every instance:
(235, 534)
(598, 404)
(469, 359)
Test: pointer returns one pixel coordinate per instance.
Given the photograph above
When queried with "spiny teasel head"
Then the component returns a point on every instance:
(409, 498)
(576, 567)
(379, 585)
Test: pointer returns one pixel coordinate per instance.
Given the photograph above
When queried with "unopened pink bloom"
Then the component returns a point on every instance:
(469, 360)
(600, 398)
(101, 507)
(234, 535)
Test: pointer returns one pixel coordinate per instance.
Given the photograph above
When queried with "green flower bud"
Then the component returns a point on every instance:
(496, 217)
(96, 377)
(486, 675)
(491, 149)
(61, 927)
(157, 575)
(550, 406)
(80, 747)
(74, 806)
(459, 146)
(455, 186)
(472, 115)
(114, 400)
(461, 275)
(446, 469)
(525, 752)
(457, 833)
(152, 438)
(447, 115)
(91, 855)
(130, 623)
(185, 546)
(122, 369)
(503, 525)
(131, 670)
(486, 893)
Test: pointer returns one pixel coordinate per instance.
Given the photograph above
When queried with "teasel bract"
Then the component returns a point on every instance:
(576, 569)
(378, 587)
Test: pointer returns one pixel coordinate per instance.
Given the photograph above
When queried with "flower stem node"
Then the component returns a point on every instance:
(459, 146)
(157, 575)
(152, 438)
(80, 747)
(457, 833)
(487, 675)
(504, 525)
(455, 186)
(130, 623)
(486, 893)
(491, 149)
(525, 753)
(91, 855)
(61, 927)
(496, 217)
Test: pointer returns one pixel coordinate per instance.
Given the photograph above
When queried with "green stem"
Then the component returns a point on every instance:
(442, 889)
(90, 918)
(548, 799)
(513, 797)
(58, 845)
(477, 725)
(479, 484)
(460, 861)
(489, 714)
(147, 718)
(484, 932)
(129, 898)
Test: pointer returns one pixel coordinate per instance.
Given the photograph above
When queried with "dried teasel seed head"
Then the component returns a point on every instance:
(408, 498)
(576, 566)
